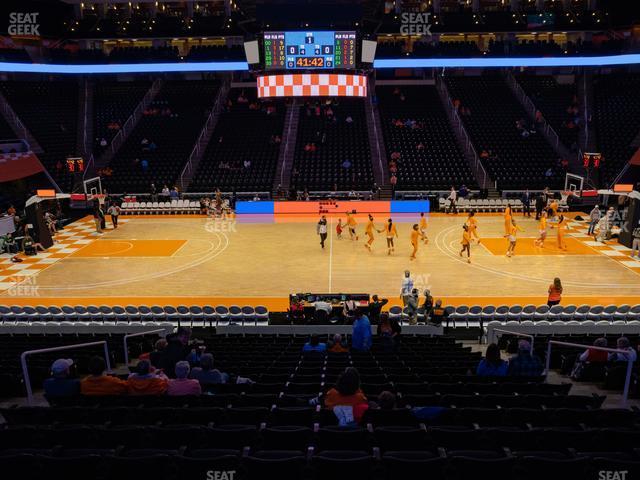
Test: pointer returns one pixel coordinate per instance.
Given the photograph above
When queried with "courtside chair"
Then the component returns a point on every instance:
(581, 312)
(262, 315)
(528, 311)
(5, 313)
(222, 314)
(94, 312)
(634, 313)
(55, 313)
(542, 312)
(501, 313)
(621, 312)
(171, 314)
(37, 328)
(106, 312)
(69, 312)
(608, 313)
(197, 316)
(210, 315)
(595, 312)
(158, 313)
(124, 314)
(555, 313)
(459, 315)
(248, 315)
(568, 312)
(183, 313)
(132, 313)
(17, 312)
(395, 312)
(82, 313)
(145, 313)
(474, 317)
(235, 315)
(43, 313)
(30, 313)
(487, 313)
(514, 315)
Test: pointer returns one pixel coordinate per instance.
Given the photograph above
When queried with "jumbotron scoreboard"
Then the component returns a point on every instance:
(309, 50)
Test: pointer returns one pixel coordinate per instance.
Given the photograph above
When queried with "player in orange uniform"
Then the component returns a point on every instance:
(508, 215)
(423, 227)
(472, 226)
(391, 233)
(351, 223)
(512, 237)
(466, 242)
(562, 228)
(415, 236)
(369, 232)
(542, 230)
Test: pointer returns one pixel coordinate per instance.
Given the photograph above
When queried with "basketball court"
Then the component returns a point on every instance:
(261, 259)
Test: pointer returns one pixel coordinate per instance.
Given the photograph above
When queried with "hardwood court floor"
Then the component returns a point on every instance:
(195, 260)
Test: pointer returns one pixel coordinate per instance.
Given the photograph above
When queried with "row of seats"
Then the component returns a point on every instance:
(172, 207)
(289, 465)
(487, 204)
(193, 315)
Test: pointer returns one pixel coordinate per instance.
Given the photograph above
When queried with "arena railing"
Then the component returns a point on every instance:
(516, 334)
(627, 382)
(138, 334)
(25, 369)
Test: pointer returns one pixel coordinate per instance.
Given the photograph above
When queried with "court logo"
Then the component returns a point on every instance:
(220, 225)
(24, 24)
(412, 23)
(23, 287)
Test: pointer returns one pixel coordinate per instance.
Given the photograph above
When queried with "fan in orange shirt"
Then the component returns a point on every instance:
(415, 235)
(351, 223)
(99, 384)
(542, 230)
(508, 214)
(512, 236)
(472, 225)
(423, 227)
(466, 242)
(392, 233)
(562, 228)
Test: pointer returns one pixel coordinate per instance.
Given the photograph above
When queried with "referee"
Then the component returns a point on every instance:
(321, 230)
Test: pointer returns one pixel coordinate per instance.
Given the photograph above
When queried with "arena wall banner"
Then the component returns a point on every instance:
(332, 207)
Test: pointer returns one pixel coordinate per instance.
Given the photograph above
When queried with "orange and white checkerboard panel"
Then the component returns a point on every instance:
(312, 85)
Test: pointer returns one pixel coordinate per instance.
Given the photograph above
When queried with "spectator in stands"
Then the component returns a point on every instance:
(143, 382)
(182, 384)
(296, 310)
(178, 349)
(156, 358)
(555, 292)
(337, 344)
(361, 336)
(61, 383)
(103, 143)
(389, 330)
(346, 164)
(314, 345)
(427, 305)
(492, 365)
(206, 374)
(99, 384)
(439, 314)
(623, 344)
(30, 246)
(375, 307)
(346, 399)
(174, 194)
(386, 400)
(144, 165)
(525, 363)
(411, 308)
(591, 355)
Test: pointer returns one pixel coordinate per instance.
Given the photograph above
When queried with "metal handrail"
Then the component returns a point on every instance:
(25, 370)
(625, 393)
(517, 334)
(138, 334)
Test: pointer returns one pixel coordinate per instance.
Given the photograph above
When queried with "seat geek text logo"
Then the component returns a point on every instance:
(24, 24)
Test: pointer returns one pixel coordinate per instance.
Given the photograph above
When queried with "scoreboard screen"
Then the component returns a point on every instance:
(309, 50)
